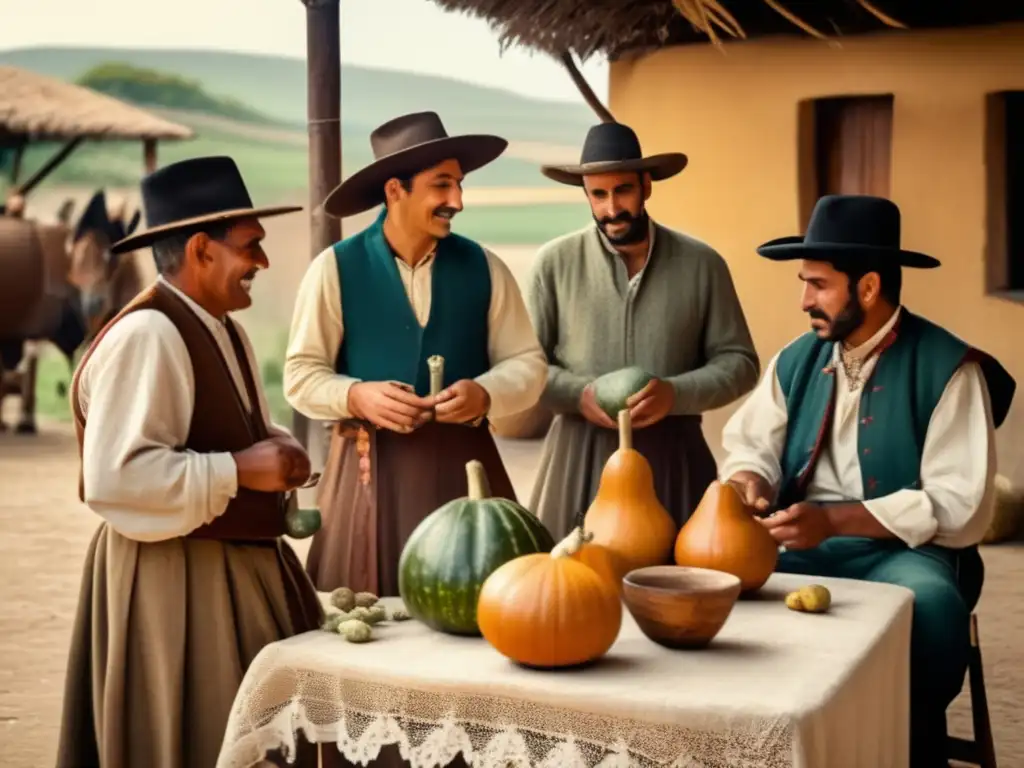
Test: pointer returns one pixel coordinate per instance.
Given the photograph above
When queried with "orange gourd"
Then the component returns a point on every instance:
(598, 557)
(723, 535)
(626, 516)
(550, 610)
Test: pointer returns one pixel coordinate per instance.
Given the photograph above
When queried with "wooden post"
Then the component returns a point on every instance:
(323, 99)
(149, 155)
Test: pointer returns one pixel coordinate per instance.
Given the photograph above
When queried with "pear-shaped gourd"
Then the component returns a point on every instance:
(626, 516)
(723, 535)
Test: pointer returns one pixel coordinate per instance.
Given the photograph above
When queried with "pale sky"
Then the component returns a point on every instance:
(394, 34)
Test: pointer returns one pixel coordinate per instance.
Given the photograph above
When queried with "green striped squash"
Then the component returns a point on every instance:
(455, 548)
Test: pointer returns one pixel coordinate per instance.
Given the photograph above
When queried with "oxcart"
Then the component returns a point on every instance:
(58, 281)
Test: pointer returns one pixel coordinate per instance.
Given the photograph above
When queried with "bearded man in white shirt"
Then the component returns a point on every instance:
(871, 438)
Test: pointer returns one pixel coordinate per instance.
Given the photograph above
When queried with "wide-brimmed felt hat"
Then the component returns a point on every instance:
(847, 229)
(614, 148)
(185, 195)
(403, 147)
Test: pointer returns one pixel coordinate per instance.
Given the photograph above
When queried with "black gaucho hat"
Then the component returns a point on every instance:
(613, 148)
(185, 195)
(847, 229)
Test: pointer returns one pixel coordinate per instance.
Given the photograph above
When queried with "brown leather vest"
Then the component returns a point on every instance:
(219, 423)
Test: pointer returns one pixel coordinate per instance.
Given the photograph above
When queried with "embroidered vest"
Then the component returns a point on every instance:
(382, 339)
(220, 422)
(915, 363)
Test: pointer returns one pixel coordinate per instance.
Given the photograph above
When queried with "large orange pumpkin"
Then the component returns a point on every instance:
(626, 515)
(550, 610)
(723, 535)
(597, 556)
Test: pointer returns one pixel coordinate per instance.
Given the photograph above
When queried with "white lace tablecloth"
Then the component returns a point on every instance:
(776, 688)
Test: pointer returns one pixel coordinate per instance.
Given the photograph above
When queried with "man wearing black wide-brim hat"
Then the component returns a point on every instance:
(187, 577)
(626, 291)
(370, 312)
(872, 437)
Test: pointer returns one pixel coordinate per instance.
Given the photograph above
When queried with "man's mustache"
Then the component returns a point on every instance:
(817, 314)
(625, 217)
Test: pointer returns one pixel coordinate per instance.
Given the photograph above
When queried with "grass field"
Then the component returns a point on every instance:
(271, 168)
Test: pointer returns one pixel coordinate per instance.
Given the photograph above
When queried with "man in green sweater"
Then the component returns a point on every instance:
(626, 291)
(872, 438)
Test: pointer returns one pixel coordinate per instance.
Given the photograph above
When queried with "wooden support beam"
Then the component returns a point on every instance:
(585, 90)
(323, 99)
(39, 176)
(149, 161)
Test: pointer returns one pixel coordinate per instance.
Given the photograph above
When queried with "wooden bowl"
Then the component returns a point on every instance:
(678, 606)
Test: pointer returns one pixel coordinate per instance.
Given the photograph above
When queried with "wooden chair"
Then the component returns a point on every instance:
(981, 750)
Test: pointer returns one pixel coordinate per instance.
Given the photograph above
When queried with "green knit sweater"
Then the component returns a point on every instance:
(681, 320)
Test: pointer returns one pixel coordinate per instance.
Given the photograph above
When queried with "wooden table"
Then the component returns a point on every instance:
(775, 689)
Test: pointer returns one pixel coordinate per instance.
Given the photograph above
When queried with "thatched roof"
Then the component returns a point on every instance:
(41, 108)
(613, 27)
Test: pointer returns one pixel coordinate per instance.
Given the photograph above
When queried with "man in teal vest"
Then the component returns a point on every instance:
(371, 312)
(870, 439)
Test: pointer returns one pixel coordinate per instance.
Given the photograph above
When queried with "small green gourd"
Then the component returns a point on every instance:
(333, 620)
(355, 631)
(302, 523)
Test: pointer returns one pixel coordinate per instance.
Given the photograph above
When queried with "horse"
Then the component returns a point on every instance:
(69, 286)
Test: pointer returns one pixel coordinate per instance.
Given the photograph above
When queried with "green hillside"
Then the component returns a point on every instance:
(276, 86)
(153, 88)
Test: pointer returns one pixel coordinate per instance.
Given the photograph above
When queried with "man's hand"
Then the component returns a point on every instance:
(388, 405)
(464, 401)
(272, 465)
(651, 404)
(801, 526)
(284, 436)
(592, 412)
(754, 489)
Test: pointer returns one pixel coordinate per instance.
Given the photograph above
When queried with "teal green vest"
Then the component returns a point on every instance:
(914, 365)
(383, 340)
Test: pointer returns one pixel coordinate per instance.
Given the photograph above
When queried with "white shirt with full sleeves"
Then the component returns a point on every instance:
(137, 390)
(954, 505)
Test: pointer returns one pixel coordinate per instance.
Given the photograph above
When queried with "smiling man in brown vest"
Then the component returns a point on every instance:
(187, 577)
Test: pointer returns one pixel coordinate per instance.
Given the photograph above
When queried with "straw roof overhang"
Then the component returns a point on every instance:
(614, 27)
(34, 107)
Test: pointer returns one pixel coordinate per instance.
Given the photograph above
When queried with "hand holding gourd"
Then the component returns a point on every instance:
(272, 465)
(755, 491)
(652, 403)
(592, 412)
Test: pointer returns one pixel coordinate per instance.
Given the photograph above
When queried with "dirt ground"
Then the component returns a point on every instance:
(46, 532)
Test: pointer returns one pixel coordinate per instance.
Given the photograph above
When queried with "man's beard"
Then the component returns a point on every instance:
(848, 320)
(638, 227)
